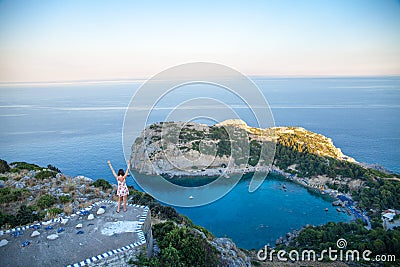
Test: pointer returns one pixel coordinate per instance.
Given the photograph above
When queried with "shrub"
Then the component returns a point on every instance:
(25, 215)
(8, 194)
(53, 168)
(102, 183)
(4, 166)
(45, 201)
(54, 211)
(45, 174)
(64, 199)
(180, 246)
(25, 166)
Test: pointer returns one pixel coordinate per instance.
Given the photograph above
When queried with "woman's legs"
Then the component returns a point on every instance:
(125, 197)
(119, 203)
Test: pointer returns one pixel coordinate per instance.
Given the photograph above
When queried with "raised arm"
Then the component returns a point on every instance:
(112, 169)
(127, 169)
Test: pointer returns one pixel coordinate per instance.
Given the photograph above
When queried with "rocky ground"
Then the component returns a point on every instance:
(81, 192)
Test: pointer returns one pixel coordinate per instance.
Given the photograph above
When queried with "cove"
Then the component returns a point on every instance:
(255, 219)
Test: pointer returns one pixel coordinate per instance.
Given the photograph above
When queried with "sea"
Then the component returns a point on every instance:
(78, 126)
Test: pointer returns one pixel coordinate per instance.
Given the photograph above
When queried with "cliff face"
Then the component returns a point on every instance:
(198, 149)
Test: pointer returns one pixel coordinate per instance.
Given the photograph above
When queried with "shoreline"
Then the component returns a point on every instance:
(341, 201)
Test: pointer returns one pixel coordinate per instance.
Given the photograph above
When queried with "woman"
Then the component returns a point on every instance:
(122, 191)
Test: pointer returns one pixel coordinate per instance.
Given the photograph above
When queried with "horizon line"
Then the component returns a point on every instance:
(136, 80)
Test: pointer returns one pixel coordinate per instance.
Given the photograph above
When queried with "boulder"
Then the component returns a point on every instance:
(79, 225)
(3, 242)
(90, 217)
(52, 237)
(35, 233)
(100, 211)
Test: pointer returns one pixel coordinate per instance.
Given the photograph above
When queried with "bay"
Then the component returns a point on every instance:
(78, 128)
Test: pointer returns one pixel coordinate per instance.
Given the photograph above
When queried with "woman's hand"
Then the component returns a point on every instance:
(128, 162)
(108, 162)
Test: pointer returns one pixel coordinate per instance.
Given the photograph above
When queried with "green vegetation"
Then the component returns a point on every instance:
(179, 246)
(157, 210)
(255, 151)
(25, 215)
(322, 237)
(102, 183)
(45, 201)
(188, 134)
(53, 168)
(4, 167)
(17, 166)
(8, 194)
(64, 199)
(54, 211)
(379, 195)
(309, 164)
(45, 174)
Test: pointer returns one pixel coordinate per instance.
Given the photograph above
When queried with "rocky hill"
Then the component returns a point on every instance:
(192, 148)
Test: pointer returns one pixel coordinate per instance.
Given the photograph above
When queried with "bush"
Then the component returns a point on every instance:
(54, 211)
(25, 215)
(8, 194)
(45, 201)
(45, 174)
(180, 246)
(64, 199)
(26, 166)
(4, 166)
(102, 183)
(53, 168)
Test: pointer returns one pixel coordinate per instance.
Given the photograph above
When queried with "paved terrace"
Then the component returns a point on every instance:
(102, 237)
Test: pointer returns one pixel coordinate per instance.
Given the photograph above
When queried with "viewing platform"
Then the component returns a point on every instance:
(95, 235)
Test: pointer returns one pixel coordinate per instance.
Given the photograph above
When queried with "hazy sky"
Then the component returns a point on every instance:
(85, 40)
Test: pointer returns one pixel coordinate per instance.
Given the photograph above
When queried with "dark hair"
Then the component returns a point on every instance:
(121, 172)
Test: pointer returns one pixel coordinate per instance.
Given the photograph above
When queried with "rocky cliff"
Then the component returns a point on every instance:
(179, 148)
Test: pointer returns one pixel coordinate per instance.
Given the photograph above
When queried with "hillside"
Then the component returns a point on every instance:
(187, 148)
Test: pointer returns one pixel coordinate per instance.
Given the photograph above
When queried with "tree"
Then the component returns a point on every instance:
(4, 167)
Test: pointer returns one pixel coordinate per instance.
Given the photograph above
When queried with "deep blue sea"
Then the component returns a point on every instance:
(77, 127)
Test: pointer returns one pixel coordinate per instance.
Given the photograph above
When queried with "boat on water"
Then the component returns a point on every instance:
(191, 197)
(338, 210)
(326, 209)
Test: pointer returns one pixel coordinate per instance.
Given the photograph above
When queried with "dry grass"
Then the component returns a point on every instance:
(68, 210)
(31, 182)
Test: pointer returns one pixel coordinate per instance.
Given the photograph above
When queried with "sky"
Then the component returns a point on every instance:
(69, 40)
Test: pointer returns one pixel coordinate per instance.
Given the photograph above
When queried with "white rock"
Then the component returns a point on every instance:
(64, 221)
(79, 225)
(101, 211)
(46, 223)
(35, 233)
(90, 217)
(3, 242)
(52, 237)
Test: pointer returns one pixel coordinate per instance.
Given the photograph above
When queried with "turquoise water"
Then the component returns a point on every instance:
(259, 218)
(78, 128)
